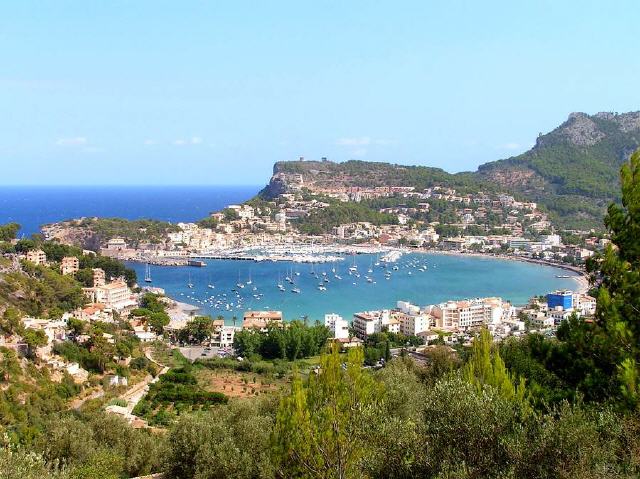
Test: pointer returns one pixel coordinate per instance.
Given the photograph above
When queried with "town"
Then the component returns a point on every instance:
(301, 223)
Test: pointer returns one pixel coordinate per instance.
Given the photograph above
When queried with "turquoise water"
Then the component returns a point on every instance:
(446, 277)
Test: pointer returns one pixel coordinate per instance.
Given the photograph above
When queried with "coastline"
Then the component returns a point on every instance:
(581, 277)
(225, 270)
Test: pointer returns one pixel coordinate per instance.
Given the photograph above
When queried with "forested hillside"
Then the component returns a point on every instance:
(572, 170)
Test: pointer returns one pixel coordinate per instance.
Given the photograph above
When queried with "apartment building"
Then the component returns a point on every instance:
(470, 313)
(338, 326)
(69, 265)
(37, 257)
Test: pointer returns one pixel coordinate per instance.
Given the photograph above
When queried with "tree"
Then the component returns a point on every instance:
(11, 321)
(197, 331)
(9, 231)
(319, 426)
(608, 350)
(486, 367)
(34, 339)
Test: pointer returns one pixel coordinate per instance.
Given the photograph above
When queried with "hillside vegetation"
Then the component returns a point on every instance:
(573, 170)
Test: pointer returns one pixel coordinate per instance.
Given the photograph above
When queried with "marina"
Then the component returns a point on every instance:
(356, 282)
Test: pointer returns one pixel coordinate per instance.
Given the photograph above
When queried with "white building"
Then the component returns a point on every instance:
(370, 322)
(338, 326)
(115, 295)
(470, 313)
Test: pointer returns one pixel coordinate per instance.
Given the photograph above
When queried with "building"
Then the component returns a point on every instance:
(365, 324)
(261, 319)
(116, 244)
(562, 299)
(69, 265)
(115, 295)
(223, 336)
(37, 257)
(99, 277)
(470, 313)
(338, 326)
(412, 325)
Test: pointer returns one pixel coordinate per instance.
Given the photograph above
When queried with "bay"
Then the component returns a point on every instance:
(446, 277)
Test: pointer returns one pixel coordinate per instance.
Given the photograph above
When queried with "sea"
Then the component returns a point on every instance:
(419, 278)
(33, 206)
(227, 288)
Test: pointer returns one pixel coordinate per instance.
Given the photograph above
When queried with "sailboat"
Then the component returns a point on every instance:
(280, 286)
(295, 289)
(250, 280)
(354, 267)
(210, 285)
(189, 284)
(147, 274)
(239, 283)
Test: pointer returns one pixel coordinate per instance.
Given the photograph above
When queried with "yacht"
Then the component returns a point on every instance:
(147, 274)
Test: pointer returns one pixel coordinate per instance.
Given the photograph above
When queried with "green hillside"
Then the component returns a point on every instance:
(573, 170)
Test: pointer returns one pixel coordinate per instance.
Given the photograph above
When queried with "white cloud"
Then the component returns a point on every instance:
(511, 146)
(92, 149)
(149, 142)
(355, 141)
(363, 141)
(194, 140)
(73, 141)
(359, 152)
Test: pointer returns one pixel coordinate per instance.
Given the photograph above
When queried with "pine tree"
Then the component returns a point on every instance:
(486, 367)
(614, 344)
(319, 426)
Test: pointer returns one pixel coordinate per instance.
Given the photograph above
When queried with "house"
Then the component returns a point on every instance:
(261, 319)
(37, 257)
(69, 265)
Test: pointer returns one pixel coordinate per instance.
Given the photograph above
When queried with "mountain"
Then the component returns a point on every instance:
(573, 170)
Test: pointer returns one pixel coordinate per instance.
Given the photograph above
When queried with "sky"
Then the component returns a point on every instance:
(214, 92)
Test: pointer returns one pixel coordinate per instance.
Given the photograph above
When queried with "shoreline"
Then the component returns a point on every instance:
(580, 276)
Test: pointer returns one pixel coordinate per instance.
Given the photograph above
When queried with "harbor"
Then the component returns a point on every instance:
(227, 288)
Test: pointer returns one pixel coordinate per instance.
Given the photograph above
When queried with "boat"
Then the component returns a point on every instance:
(147, 274)
(239, 284)
(563, 276)
(189, 284)
(196, 262)
(322, 288)
(295, 289)
(250, 281)
(210, 285)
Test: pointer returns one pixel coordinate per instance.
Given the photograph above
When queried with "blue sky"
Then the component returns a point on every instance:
(212, 92)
